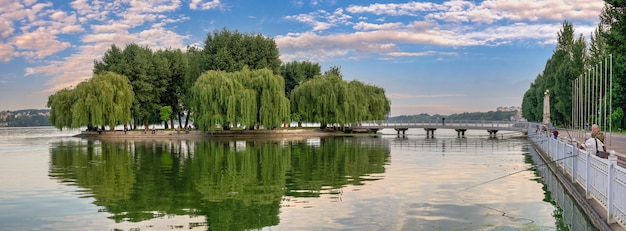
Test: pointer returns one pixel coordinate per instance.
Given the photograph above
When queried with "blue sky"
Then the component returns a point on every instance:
(435, 57)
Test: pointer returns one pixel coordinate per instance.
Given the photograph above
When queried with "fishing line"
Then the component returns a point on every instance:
(502, 212)
(513, 173)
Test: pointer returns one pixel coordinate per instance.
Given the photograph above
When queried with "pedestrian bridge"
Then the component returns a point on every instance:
(430, 127)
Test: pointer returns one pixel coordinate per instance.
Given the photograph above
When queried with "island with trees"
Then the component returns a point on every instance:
(236, 81)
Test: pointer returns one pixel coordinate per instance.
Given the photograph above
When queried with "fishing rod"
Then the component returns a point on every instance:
(510, 174)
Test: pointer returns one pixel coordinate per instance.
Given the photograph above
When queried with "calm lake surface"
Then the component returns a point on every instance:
(52, 181)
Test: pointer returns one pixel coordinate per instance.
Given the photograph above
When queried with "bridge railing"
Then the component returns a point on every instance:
(603, 180)
(440, 123)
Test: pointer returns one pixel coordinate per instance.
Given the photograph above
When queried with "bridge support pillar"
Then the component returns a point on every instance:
(492, 133)
(430, 132)
(403, 130)
(460, 132)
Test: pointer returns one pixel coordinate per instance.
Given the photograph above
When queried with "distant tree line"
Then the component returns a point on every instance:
(235, 80)
(25, 118)
(572, 57)
(474, 116)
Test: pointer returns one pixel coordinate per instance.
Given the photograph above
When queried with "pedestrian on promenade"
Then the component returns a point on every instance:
(592, 145)
(555, 133)
(596, 133)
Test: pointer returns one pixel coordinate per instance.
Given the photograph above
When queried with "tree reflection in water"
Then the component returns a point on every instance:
(235, 185)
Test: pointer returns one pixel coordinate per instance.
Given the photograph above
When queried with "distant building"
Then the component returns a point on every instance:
(517, 116)
(511, 108)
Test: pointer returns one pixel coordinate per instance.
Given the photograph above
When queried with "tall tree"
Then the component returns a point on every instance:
(247, 98)
(174, 90)
(296, 72)
(112, 60)
(61, 104)
(232, 51)
(145, 74)
(195, 59)
(105, 99)
(613, 18)
(328, 99)
(272, 105)
(215, 100)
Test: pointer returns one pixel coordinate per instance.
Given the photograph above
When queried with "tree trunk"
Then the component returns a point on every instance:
(180, 121)
(299, 124)
(187, 120)
(172, 122)
(145, 123)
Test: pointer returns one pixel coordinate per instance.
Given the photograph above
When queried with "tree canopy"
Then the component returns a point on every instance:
(235, 80)
(575, 58)
(104, 100)
(613, 35)
(329, 99)
(244, 98)
(231, 51)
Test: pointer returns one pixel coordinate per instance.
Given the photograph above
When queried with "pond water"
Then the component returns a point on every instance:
(52, 181)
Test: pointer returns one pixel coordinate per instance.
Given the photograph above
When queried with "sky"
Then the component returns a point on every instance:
(434, 57)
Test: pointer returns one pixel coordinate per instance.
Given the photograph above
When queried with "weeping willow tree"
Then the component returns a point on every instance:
(61, 104)
(105, 99)
(213, 94)
(328, 99)
(244, 98)
(272, 105)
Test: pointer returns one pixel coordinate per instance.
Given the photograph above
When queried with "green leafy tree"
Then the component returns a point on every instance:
(268, 88)
(613, 18)
(146, 73)
(165, 114)
(565, 65)
(112, 60)
(105, 99)
(328, 99)
(618, 115)
(174, 88)
(61, 104)
(216, 100)
(232, 51)
(244, 98)
(296, 72)
(194, 58)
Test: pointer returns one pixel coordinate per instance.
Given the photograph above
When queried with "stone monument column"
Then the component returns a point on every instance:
(546, 107)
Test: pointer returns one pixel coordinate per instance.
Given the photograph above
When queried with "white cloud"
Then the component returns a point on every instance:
(321, 19)
(6, 28)
(6, 52)
(488, 11)
(119, 23)
(41, 42)
(394, 9)
(373, 26)
(419, 54)
(450, 24)
(199, 4)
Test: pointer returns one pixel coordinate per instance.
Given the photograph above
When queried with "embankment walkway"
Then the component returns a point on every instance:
(598, 185)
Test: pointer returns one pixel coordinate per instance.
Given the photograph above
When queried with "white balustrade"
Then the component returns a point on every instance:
(603, 180)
